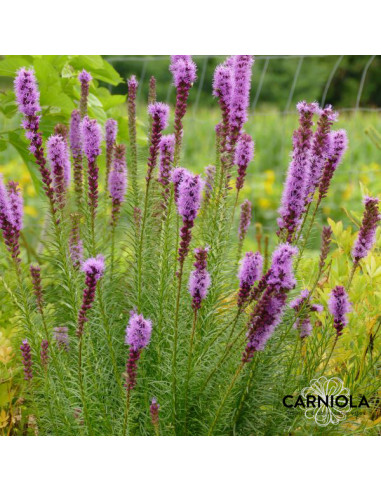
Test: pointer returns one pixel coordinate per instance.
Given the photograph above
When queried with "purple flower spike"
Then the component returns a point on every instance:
(167, 149)
(35, 272)
(178, 174)
(264, 319)
(85, 78)
(92, 137)
(138, 335)
(249, 272)
(154, 411)
(296, 185)
(111, 129)
(26, 360)
(223, 85)
(117, 183)
(338, 146)
(245, 219)
(159, 113)
(367, 233)
(61, 336)
(27, 97)
(75, 137)
(11, 213)
(184, 75)
(199, 280)
(94, 269)
(27, 94)
(44, 355)
(138, 331)
(188, 204)
(320, 149)
(241, 94)
(244, 153)
(281, 276)
(304, 307)
(60, 166)
(339, 306)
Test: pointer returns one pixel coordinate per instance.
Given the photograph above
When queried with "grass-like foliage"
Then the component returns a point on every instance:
(143, 314)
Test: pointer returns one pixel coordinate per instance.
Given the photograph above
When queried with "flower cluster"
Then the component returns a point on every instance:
(44, 355)
(58, 157)
(75, 137)
(117, 182)
(244, 153)
(244, 219)
(167, 149)
(111, 129)
(303, 307)
(85, 78)
(35, 272)
(94, 269)
(339, 306)
(249, 272)
(159, 113)
(199, 280)
(92, 136)
(11, 216)
(138, 335)
(367, 234)
(338, 146)
(296, 185)
(26, 360)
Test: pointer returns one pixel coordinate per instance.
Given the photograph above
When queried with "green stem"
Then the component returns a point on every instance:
(81, 386)
(126, 412)
(228, 391)
(330, 354)
(175, 337)
(189, 366)
(140, 251)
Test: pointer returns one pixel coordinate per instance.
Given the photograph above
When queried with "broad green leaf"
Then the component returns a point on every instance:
(12, 63)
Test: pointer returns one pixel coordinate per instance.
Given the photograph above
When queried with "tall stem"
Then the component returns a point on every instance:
(228, 391)
(330, 354)
(189, 366)
(175, 337)
(126, 412)
(81, 386)
(140, 251)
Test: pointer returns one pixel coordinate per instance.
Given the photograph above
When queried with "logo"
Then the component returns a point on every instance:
(327, 401)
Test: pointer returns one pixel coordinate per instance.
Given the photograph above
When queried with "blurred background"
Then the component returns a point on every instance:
(350, 83)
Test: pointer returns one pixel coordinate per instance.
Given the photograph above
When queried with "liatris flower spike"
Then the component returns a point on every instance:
(159, 113)
(94, 269)
(199, 280)
(240, 100)
(244, 219)
(249, 272)
(167, 149)
(61, 336)
(152, 90)
(154, 411)
(339, 306)
(117, 183)
(188, 204)
(296, 185)
(44, 356)
(320, 149)
(367, 234)
(60, 165)
(223, 84)
(26, 360)
(138, 335)
(35, 272)
(11, 217)
(111, 129)
(85, 78)
(244, 153)
(326, 237)
(75, 137)
(92, 137)
(184, 75)
(28, 100)
(281, 276)
(338, 146)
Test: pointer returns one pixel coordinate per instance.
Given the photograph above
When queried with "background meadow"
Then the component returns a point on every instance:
(271, 123)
